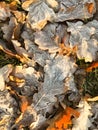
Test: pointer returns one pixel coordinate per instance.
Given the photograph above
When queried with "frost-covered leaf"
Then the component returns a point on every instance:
(20, 50)
(94, 118)
(27, 33)
(38, 55)
(4, 11)
(8, 109)
(4, 73)
(39, 14)
(57, 32)
(85, 37)
(45, 42)
(75, 9)
(8, 29)
(85, 113)
(30, 76)
(39, 123)
(53, 82)
(25, 119)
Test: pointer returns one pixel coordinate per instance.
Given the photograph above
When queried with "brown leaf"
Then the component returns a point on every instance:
(24, 103)
(67, 50)
(20, 16)
(4, 11)
(92, 66)
(13, 5)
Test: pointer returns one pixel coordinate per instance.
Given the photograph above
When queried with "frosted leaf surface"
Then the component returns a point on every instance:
(4, 73)
(55, 72)
(39, 14)
(85, 37)
(45, 42)
(8, 109)
(84, 109)
(75, 9)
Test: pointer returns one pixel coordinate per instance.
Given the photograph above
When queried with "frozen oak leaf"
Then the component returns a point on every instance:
(39, 14)
(75, 9)
(29, 74)
(38, 55)
(4, 73)
(53, 83)
(45, 42)
(8, 29)
(85, 113)
(25, 119)
(94, 118)
(20, 50)
(85, 37)
(39, 123)
(4, 11)
(8, 110)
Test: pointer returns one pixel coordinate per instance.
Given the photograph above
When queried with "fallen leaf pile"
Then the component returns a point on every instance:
(50, 88)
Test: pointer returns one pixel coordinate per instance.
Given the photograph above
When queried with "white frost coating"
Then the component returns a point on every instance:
(87, 50)
(60, 68)
(39, 14)
(56, 71)
(4, 73)
(85, 37)
(74, 9)
(8, 107)
(83, 122)
(2, 83)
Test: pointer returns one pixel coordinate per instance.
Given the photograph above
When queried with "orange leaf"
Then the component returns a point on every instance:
(92, 66)
(24, 103)
(90, 7)
(64, 120)
(13, 5)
